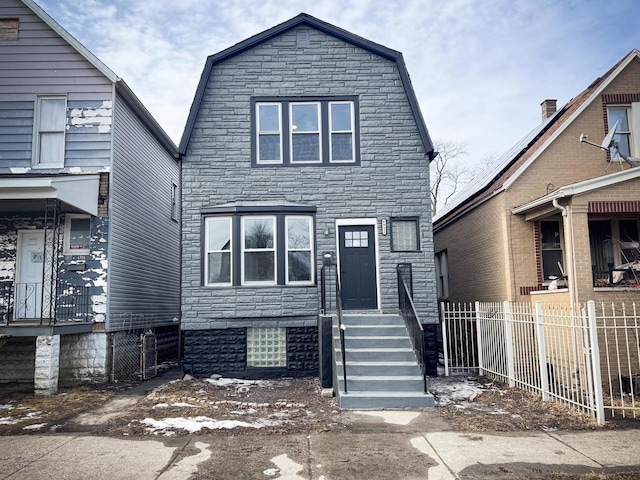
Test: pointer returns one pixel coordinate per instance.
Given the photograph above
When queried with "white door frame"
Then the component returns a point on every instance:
(348, 222)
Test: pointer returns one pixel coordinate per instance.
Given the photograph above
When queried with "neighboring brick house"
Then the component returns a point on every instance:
(553, 205)
(300, 139)
(89, 232)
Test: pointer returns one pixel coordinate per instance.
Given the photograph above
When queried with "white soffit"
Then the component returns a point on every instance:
(79, 191)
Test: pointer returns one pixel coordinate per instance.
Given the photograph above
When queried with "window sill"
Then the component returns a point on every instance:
(260, 286)
(627, 288)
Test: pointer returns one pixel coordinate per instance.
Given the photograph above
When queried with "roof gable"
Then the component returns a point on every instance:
(508, 168)
(308, 20)
(128, 95)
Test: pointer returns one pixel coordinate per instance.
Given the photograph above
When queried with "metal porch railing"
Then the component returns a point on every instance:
(411, 319)
(327, 305)
(38, 303)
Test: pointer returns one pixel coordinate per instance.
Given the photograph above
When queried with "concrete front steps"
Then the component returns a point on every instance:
(382, 370)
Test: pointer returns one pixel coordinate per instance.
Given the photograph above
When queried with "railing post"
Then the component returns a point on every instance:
(445, 340)
(508, 340)
(479, 337)
(323, 291)
(595, 361)
(542, 353)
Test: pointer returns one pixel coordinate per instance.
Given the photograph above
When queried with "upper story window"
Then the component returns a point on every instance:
(621, 114)
(305, 131)
(9, 29)
(51, 118)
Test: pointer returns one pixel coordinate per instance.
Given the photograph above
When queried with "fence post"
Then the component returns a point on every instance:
(508, 339)
(445, 340)
(595, 362)
(542, 353)
(479, 337)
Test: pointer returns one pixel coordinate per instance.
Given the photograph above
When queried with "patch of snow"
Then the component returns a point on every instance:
(6, 406)
(188, 465)
(35, 426)
(450, 390)
(183, 404)
(287, 468)
(195, 424)
(8, 421)
(223, 382)
(161, 405)
(271, 472)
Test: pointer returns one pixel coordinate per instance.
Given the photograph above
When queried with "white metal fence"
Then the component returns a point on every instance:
(588, 359)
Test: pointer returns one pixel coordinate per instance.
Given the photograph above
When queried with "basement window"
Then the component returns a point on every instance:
(266, 347)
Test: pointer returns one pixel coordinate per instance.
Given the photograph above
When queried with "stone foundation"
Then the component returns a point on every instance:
(84, 357)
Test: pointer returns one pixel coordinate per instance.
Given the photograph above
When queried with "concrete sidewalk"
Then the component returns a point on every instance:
(396, 453)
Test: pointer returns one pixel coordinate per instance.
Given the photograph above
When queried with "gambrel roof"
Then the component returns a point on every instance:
(308, 20)
(126, 92)
(506, 169)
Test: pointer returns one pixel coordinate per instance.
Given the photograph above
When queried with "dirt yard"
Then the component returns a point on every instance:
(237, 407)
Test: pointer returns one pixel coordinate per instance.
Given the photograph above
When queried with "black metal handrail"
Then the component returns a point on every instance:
(327, 305)
(65, 302)
(342, 328)
(412, 322)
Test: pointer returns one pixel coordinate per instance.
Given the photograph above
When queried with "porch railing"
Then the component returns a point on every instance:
(37, 302)
(411, 319)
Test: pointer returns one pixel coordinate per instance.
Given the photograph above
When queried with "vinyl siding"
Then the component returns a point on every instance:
(16, 131)
(41, 61)
(144, 259)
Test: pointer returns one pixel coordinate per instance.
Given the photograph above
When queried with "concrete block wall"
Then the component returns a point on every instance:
(84, 357)
(17, 361)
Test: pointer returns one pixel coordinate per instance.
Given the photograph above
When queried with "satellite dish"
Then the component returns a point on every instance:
(607, 143)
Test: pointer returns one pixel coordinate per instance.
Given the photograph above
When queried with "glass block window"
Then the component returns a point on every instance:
(404, 235)
(266, 347)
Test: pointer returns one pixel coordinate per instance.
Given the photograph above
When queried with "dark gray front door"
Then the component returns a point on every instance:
(358, 267)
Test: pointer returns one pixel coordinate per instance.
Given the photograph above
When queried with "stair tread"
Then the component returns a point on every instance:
(379, 393)
(387, 363)
(382, 377)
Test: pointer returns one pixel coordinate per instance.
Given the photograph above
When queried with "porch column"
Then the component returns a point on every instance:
(47, 364)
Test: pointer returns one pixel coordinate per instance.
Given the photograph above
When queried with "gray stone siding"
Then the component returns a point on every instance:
(392, 179)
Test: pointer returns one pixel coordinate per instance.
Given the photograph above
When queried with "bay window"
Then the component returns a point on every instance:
(245, 246)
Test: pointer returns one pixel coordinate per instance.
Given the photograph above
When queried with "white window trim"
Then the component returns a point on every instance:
(35, 161)
(207, 252)
(310, 250)
(268, 132)
(274, 249)
(292, 132)
(67, 235)
(174, 201)
(351, 131)
(346, 222)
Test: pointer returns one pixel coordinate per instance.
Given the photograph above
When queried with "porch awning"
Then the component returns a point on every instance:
(78, 191)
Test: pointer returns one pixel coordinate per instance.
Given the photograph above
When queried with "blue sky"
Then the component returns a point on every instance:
(479, 68)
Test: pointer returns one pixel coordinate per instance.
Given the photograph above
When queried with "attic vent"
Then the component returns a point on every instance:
(8, 29)
(302, 38)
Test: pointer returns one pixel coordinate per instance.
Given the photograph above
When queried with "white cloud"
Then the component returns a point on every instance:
(479, 69)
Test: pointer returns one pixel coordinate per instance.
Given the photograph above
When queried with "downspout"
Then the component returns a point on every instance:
(568, 244)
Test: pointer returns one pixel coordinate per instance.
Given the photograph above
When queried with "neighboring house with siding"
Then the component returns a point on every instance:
(553, 206)
(304, 143)
(89, 190)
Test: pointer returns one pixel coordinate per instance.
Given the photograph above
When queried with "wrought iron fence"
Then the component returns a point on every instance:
(588, 358)
(67, 302)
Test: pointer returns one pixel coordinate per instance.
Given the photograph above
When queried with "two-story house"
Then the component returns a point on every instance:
(304, 147)
(89, 210)
(554, 211)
